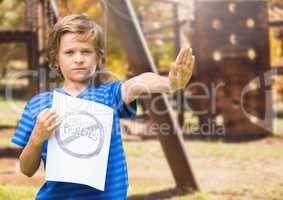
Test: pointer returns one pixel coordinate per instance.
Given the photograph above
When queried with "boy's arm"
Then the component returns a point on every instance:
(30, 157)
(178, 77)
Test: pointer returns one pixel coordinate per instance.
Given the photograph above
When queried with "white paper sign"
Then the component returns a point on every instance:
(78, 150)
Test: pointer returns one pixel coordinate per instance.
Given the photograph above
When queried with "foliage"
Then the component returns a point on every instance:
(12, 13)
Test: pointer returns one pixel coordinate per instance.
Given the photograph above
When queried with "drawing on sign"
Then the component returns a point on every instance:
(80, 135)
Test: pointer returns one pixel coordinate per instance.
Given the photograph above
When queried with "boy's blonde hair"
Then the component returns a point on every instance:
(88, 30)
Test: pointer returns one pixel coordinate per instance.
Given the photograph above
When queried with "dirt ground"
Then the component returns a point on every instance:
(223, 176)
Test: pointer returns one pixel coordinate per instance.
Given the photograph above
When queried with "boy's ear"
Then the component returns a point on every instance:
(57, 67)
(99, 60)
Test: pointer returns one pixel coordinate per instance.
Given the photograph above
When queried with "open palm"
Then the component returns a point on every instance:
(181, 69)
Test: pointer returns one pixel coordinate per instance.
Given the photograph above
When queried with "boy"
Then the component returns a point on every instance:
(76, 52)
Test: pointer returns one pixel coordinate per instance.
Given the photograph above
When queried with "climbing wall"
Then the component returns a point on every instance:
(232, 48)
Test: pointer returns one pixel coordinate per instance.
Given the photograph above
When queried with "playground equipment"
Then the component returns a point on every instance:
(38, 24)
(231, 42)
(231, 45)
(232, 48)
(139, 59)
(122, 14)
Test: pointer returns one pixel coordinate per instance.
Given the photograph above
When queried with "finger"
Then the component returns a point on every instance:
(42, 113)
(45, 115)
(173, 69)
(53, 126)
(51, 119)
(49, 114)
(186, 55)
(188, 58)
(42, 118)
(180, 56)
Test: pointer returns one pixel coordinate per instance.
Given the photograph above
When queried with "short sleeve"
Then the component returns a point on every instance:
(24, 128)
(124, 110)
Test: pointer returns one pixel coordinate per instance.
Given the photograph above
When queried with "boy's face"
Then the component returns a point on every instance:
(76, 58)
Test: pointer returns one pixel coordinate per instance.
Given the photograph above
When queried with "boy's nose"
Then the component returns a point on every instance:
(78, 58)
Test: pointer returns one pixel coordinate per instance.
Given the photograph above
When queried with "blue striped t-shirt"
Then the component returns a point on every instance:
(116, 184)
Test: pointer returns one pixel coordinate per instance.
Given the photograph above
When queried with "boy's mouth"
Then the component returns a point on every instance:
(79, 69)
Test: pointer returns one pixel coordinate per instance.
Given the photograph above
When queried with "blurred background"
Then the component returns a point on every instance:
(229, 115)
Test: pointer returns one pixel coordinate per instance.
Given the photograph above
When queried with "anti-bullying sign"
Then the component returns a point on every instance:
(78, 150)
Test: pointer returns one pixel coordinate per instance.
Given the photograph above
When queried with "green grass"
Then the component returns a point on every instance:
(270, 191)
(149, 190)
(145, 191)
(253, 151)
(199, 196)
(10, 192)
(243, 151)
(142, 192)
(146, 148)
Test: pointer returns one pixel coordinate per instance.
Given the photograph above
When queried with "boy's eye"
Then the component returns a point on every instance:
(86, 51)
(69, 52)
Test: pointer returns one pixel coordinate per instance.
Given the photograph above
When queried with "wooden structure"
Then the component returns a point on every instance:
(35, 39)
(232, 48)
(123, 15)
(176, 24)
(139, 59)
(231, 44)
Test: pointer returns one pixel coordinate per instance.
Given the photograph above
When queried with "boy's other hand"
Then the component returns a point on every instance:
(46, 123)
(181, 69)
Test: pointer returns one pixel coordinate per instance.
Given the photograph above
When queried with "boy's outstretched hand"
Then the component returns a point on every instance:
(181, 69)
